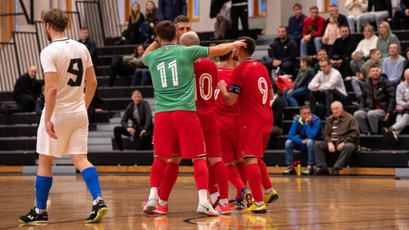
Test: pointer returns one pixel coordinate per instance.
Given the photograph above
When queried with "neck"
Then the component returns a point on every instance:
(57, 35)
(395, 56)
(283, 39)
(166, 43)
(244, 57)
(228, 63)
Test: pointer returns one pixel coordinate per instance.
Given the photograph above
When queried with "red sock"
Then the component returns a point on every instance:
(265, 179)
(241, 167)
(220, 172)
(157, 169)
(201, 174)
(253, 172)
(171, 175)
(212, 182)
(234, 178)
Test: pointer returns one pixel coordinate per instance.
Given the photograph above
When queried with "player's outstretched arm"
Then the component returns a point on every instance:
(228, 97)
(153, 46)
(224, 48)
(91, 85)
(50, 96)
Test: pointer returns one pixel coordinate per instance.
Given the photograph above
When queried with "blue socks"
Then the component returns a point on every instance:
(90, 176)
(42, 185)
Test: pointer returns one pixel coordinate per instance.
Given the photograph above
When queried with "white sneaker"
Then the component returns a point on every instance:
(150, 205)
(207, 209)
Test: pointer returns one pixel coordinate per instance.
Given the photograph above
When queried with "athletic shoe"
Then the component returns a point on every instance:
(308, 171)
(271, 196)
(149, 206)
(223, 209)
(240, 204)
(97, 213)
(207, 209)
(34, 218)
(289, 171)
(248, 197)
(163, 210)
(256, 209)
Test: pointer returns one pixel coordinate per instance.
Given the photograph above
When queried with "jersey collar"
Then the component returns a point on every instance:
(60, 40)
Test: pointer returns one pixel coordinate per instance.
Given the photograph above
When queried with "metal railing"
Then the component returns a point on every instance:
(27, 48)
(9, 71)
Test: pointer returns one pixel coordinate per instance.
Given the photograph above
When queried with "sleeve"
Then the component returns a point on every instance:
(353, 134)
(47, 61)
(332, 83)
(236, 82)
(147, 58)
(125, 117)
(327, 130)
(293, 132)
(312, 129)
(320, 25)
(349, 4)
(314, 82)
(390, 90)
(364, 5)
(304, 27)
(292, 48)
(148, 115)
(399, 96)
(196, 52)
(17, 87)
(389, 7)
(273, 50)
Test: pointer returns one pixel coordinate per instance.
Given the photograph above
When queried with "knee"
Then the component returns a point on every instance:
(359, 114)
(310, 143)
(349, 147)
(372, 114)
(319, 145)
(117, 129)
(289, 144)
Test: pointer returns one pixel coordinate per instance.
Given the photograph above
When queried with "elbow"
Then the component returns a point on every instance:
(51, 91)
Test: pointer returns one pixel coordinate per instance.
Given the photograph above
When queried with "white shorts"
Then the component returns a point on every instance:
(72, 134)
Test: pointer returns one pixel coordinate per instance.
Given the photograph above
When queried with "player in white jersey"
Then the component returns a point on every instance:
(63, 126)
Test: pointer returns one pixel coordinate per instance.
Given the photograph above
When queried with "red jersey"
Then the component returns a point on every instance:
(206, 82)
(251, 81)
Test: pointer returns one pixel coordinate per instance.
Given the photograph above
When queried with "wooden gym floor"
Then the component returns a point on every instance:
(305, 203)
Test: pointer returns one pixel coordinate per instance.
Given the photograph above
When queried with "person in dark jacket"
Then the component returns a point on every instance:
(305, 130)
(90, 44)
(401, 16)
(300, 88)
(378, 102)
(283, 53)
(295, 23)
(382, 12)
(170, 9)
(139, 112)
(26, 90)
(131, 34)
(341, 51)
(334, 13)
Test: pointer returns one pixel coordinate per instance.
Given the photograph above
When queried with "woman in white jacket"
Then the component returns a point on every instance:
(355, 9)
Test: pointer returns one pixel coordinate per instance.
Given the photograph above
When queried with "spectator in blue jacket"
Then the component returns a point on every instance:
(306, 129)
(295, 24)
(170, 9)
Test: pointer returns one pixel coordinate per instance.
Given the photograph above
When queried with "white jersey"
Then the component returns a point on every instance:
(68, 59)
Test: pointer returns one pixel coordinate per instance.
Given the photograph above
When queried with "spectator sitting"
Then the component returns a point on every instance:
(295, 24)
(385, 38)
(90, 44)
(313, 28)
(283, 53)
(382, 11)
(402, 108)
(362, 50)
(26, 90)
(321, 54)
(277, 105)
(182, 24)
(341, 51)
(300, 88)
(355, 9)
(341, 135)
(334, 13)
(131, 34)
(169, 10)
(358, 83)
(401, 16)
(222, 23)
(378, 102)
(147, 28)
(327, 86)
(139, 112)
(124, 66)
(141, 75)
(305, 130)
(406, 64)
(331, 33)
(393, 65)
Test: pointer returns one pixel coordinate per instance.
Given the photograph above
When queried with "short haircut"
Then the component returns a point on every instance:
(56, 18)
(84, 28)
(373, 51)
(334, 5)
(346, 26)
(370, 28)
(322, 50)
(251, 44)
(181, 18)
(297, 5)
(225, 57)
(282, 27)
(136, 91)
(373, 66)
(307, 60)
(325, 60)
(313, 8)
(394, 43)
(166, 30)
(305, 107)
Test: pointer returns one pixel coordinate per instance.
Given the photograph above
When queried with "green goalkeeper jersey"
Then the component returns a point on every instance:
(172, 73)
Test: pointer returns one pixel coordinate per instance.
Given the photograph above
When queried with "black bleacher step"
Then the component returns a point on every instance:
(116, 50)
(29, 130)
(16, 143)
(103, 70)
(124, 92)
(6, 96)
(18, 118)
(116, 103)
(18, 157)
(119, 81)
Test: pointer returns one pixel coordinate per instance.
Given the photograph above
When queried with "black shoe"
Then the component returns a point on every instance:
(321, 172)
(335, 171)
(34, 218)
(98, 212)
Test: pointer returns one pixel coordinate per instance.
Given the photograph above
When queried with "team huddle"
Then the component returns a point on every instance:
(224, 131)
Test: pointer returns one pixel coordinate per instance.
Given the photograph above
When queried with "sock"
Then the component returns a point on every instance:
(235, 179)
(223, 202)
(171, 172)
(203, 196)
(241, 166)
(212, 182)
(259, 203)
(153, 194)
(42, 186)
(265, 179)
(222, 179)
(268, 190)
(162, 202)
(253, 172)
(201, 174)
(157, 169)
(90, 176)
(214, 197)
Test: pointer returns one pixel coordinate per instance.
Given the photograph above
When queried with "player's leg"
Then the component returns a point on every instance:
(43, 184)
(270, 194)
(156, 175)
(213, 190)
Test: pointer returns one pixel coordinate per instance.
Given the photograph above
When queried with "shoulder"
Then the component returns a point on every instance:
(129, 106)
(321, 19)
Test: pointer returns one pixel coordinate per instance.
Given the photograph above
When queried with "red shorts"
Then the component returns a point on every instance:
(211, 134)
(178, 133)
(253, 144)
(230, 139)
